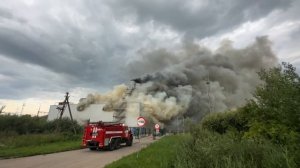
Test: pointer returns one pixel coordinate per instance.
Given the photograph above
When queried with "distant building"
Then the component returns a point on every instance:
(95, 113)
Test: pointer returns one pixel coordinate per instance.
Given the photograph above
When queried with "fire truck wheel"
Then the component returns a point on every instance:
(129, 142)
(93, 148)
(117, 143)
(111, 145)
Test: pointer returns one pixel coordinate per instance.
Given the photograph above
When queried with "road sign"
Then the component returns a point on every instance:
(141, 121)
(156, 126)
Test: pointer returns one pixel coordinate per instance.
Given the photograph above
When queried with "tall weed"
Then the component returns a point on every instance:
(213, 150)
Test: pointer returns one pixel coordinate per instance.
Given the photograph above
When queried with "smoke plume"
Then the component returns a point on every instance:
(191, 81)
(112, 99)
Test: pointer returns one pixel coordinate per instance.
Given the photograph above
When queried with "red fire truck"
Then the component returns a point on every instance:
(106, 135)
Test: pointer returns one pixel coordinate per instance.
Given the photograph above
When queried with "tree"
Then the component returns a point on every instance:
(275, 111)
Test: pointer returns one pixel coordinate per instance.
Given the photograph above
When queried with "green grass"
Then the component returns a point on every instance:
(159, 154)
(33, 139)
(34, 144)
(208, 150)
(37, 150)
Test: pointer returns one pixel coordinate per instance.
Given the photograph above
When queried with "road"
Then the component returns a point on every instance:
(83, 158)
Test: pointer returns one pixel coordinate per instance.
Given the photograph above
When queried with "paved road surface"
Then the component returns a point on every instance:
(83, 158)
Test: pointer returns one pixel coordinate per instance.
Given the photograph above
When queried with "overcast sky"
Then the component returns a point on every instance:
(48, 47)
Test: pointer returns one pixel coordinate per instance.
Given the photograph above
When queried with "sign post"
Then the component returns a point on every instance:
(141, 121)
(157, 128)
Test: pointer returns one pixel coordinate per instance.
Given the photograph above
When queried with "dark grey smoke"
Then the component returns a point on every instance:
(219, 80)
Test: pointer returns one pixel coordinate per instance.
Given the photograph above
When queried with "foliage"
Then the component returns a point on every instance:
(275, 111)
(223, 122)
(209, 149)
(33, 140)
(26, 135)
(33, 144)
(65, 125)
(46, 148)
(19, 125)
(159, 154)
(273, 114)
(188, 124)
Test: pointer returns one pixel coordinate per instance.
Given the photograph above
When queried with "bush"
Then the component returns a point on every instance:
(22, 124)
(65, 125)
(222, 122)
(275, 111)
(274, 114)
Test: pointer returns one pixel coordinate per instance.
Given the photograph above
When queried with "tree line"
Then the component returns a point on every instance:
(26, 124)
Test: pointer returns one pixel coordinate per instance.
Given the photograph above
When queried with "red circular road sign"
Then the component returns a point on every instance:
(141, 121)
(156, 126)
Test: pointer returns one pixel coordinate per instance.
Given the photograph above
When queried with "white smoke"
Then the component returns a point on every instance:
(112, 99)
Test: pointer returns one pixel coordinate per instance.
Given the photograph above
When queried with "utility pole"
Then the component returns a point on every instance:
(62, 109)
(2, 108)
(22, 109)
(208, 93)
(38, 112)
(183, 124)
(64, 104)
(177, 125)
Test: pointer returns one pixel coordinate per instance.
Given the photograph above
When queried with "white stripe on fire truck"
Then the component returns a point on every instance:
(113, 132)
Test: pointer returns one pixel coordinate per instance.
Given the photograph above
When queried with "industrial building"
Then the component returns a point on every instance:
(94, 113)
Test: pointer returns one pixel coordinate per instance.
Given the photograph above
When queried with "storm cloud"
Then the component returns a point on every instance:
(56, 46)
(199, 19)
